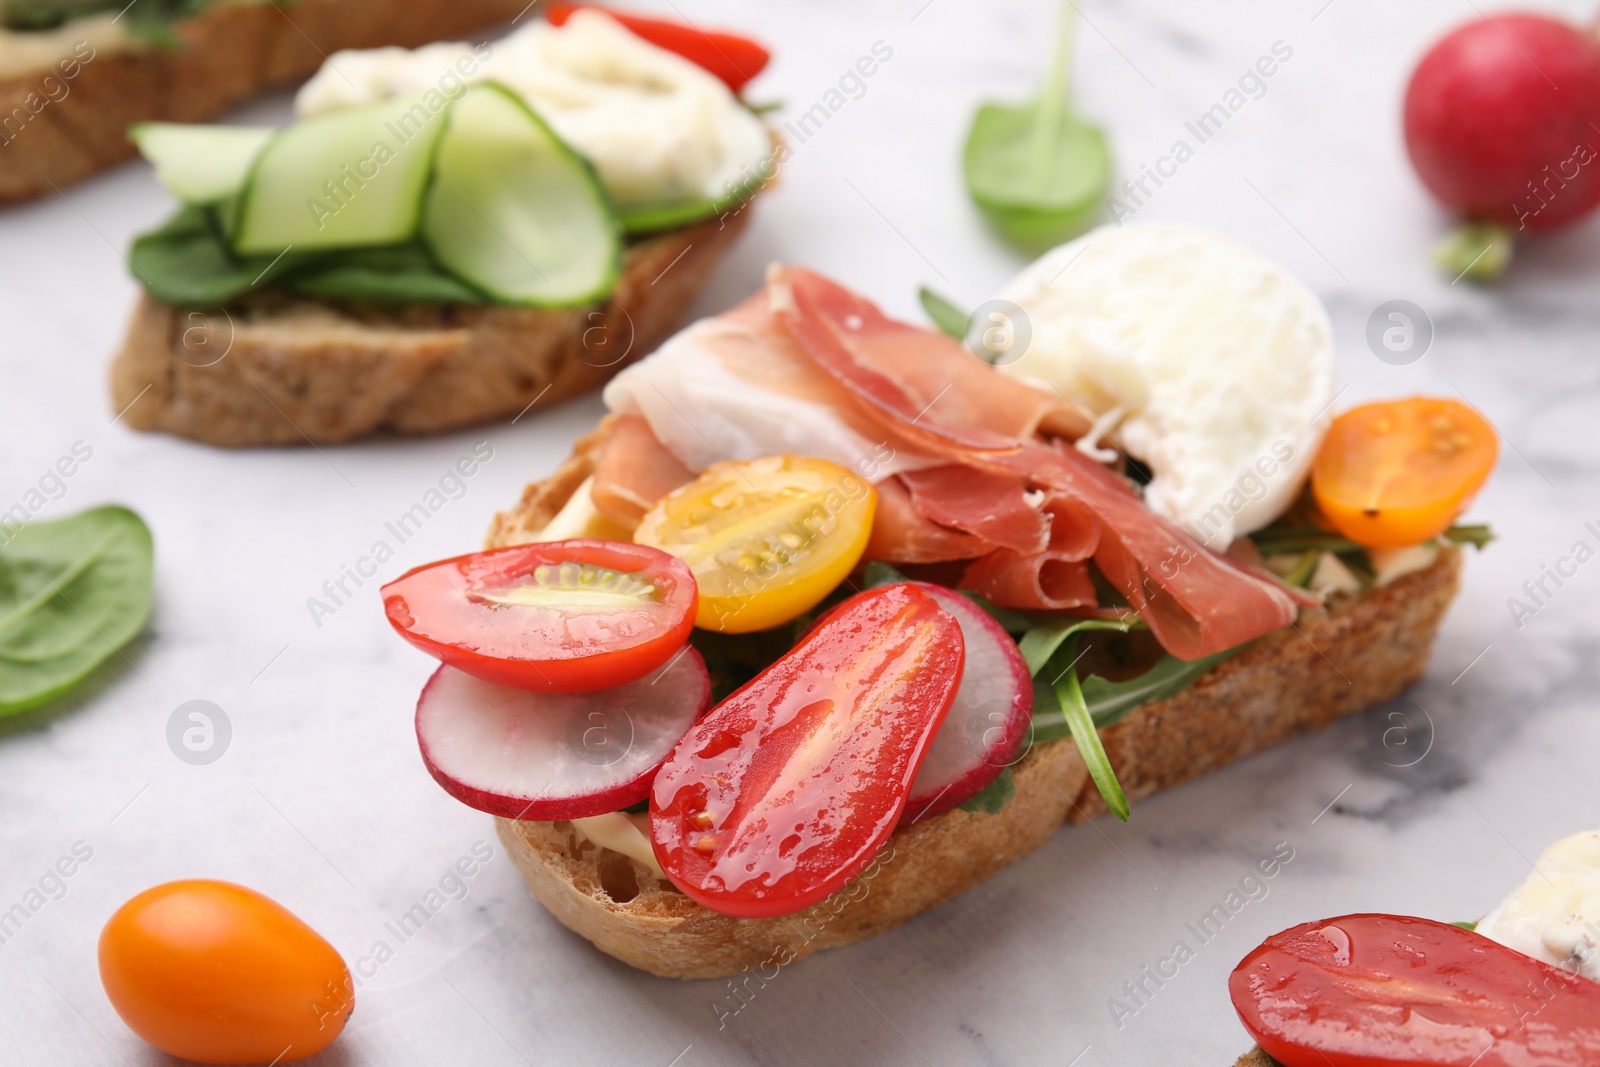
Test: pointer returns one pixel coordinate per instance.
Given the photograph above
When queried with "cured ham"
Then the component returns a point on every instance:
(990, 504)
(633, 472)
(1195, 602)
(925, 387)
(901, 534)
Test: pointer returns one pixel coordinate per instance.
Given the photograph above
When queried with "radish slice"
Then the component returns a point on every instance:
(987, 722)
(547, 756)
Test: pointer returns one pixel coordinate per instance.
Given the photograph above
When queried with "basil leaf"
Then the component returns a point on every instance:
(72, 592)
(945, 315)
(1070, 696)
(1037, 171)
(992, 798)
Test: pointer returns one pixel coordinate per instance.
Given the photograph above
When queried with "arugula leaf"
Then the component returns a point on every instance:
(1304, 570)
(879, 573)
(1042, 641)
(993, 797)
(1037, 171)
(1286, 539)
(1070, 696)
(945, 315)
(72, 592)
(1110, 702)
(1466, 926)
(1012, 622)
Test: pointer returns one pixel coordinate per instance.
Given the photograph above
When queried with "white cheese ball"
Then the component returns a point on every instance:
(1209, 364)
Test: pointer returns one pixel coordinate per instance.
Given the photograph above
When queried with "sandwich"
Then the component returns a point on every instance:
(75, 74)
(831, 618)
(443, 237)
(1522, 986)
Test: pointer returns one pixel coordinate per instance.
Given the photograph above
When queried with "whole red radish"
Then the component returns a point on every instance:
(1502, 121)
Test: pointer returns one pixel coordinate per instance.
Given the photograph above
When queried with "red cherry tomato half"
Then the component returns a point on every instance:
(1381, 990)
(788, 788)
(558, 617)
(730, 57)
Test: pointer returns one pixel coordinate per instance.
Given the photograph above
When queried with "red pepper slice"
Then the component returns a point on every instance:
(732, 58)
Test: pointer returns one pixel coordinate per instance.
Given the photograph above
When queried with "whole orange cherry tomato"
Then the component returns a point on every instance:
(217, 973)
(1398, 473)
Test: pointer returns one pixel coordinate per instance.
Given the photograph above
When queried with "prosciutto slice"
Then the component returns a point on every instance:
(926, 387)
(920, 387)
(990, 504)
(633, 472)
(902, 534)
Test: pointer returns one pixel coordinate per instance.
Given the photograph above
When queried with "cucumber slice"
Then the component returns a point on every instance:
(347, 179)
(199, 164)
(514, 212)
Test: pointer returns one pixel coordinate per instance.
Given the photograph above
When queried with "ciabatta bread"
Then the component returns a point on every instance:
(1359, 651)
(223, 56)
(278, 369)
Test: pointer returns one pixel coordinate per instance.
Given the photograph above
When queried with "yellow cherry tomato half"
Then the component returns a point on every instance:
(766, 539)
(1398, 473)
(217, 973)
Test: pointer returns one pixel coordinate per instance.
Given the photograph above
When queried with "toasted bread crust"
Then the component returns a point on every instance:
(1359, 651)
(223, 56)
(281, 370)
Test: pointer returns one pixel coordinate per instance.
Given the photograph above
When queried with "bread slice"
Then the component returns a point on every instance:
(277, 369)
(1255, 1058)
(1359, 651)
(223, 56)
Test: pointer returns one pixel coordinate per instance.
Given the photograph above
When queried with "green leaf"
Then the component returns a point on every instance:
(1070, 696)
(1466, 926)
(1037, 171)
(400, 274)
(643, 219)
(1304, 569)
(187, 261)
(1044, 638)
(1297, 539)
(1476, 251)
(992, 798)
(1110, 702)
(72, 592)
(879, 573)
(945, 315)
(1012, 622)
(1477, 536)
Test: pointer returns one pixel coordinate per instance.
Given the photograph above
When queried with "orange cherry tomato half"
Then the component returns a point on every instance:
(217, 973)
(1384, 990)
(1398, 473)
(787, 789)
(732, 58)
(557, 617)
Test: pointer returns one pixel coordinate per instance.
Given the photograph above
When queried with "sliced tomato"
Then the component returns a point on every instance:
(765, 539)
(1383, 990)
(788, 788)
(559, 617)
(732, 58)
(1397, 473)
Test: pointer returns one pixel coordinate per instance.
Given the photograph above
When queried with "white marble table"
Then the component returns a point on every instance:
(322, 802)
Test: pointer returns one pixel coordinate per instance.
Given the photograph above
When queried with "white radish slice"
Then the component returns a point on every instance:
(521, 754)
(986, 724)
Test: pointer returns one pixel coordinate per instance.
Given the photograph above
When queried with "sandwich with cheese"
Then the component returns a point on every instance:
(444, 236)
(832, 617)
(1521, 987)
(75, 74)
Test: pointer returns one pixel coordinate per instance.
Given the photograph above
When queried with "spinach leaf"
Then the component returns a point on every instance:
(72, 592)
(1037, 171)
(992, 798)
(187, 261)
(944, 313)
(403, 273)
